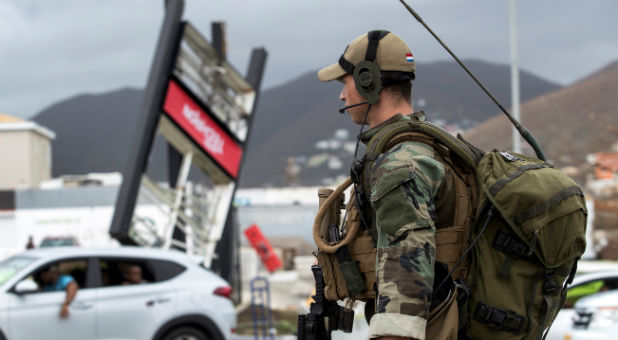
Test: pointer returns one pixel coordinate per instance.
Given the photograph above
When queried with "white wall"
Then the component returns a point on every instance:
(90, 225)
(14, 152)
(25, 155)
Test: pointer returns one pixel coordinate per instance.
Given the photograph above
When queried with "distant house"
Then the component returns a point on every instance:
(605, 165)
(604, 191)
(25, 152)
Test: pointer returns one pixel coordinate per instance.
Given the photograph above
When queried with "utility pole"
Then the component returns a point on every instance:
(514, 73)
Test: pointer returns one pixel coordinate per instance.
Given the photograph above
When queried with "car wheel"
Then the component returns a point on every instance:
(186, 333)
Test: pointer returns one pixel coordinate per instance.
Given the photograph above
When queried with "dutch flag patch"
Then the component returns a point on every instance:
(409, 57)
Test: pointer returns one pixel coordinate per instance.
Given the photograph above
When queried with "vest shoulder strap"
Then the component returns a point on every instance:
(418, 131)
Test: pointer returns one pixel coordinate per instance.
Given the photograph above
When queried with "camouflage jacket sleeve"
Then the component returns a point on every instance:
(404, 183)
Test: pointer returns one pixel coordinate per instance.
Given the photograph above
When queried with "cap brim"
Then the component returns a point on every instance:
(331, 72)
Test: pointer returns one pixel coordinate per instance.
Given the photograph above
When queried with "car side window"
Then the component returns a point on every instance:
(116, 272)
(165, 270)
(588, 288)
(55, 276)
(124, 272)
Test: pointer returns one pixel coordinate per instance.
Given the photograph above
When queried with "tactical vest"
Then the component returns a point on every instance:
(451, 238)
(517, 232)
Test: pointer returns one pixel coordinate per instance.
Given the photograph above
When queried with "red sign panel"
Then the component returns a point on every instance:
(204, 130)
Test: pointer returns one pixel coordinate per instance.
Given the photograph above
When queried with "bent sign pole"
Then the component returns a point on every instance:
(204, 108)
(226, 264)
(162, 65)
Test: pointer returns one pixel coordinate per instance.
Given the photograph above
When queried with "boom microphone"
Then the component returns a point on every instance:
(342, 110)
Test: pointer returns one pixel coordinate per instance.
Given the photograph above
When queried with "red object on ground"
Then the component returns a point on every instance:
(266, 252)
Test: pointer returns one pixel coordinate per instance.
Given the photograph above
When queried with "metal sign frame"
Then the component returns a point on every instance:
(229, 113)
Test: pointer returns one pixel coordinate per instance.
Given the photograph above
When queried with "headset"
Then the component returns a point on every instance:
(367, 75)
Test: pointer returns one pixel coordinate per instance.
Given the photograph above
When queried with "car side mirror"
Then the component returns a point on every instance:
(26, 286)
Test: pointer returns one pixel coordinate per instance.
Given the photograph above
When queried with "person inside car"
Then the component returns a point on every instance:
(134, 275)
(53, 281)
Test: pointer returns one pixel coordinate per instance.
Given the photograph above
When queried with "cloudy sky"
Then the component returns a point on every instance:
(54, 49)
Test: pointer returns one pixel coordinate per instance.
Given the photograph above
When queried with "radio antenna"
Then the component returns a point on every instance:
(520, 128)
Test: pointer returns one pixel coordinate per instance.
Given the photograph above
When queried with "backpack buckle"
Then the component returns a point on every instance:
(493, 317)
(419, 116)
(509, 244)
(549, 283)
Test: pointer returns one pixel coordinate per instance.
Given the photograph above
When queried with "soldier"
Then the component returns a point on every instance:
(411, 192)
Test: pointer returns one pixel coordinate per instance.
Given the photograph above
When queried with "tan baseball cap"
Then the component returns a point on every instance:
(392, 54)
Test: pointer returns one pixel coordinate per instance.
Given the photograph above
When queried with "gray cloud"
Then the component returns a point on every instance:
(50, 50)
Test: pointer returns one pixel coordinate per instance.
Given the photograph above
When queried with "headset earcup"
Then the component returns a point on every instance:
(367, 80)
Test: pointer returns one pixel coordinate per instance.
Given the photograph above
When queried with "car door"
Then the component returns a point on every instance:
(131, 310)
(36, 315)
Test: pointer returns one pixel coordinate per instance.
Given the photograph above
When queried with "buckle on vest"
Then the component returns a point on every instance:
(356, 171)
(493, 317)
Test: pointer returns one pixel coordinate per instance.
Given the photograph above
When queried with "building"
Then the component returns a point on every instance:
(25, 153)
(604, 191)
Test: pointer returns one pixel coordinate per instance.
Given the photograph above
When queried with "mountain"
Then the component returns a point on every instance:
(307, 108)
(445, 82)
(296, 120)
(569, 123)
(92, 131)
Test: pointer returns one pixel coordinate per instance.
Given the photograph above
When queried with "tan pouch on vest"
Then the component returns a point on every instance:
(364, 254)
(359, 244)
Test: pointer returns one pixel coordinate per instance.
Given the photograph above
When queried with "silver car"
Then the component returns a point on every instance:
(584, 285)
(596, 317)
(173, 297)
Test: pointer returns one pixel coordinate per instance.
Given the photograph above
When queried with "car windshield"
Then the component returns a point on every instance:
(12, 266)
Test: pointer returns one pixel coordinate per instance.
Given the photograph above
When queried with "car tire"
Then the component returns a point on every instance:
(186, 333)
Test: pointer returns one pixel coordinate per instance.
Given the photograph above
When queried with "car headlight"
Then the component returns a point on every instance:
(604, 317)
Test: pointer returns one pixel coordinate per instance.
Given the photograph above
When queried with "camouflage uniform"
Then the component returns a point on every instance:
(405, 183)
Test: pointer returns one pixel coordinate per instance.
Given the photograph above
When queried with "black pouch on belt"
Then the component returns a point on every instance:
(351, 274)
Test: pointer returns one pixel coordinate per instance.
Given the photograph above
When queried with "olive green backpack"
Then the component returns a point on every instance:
(526, 235)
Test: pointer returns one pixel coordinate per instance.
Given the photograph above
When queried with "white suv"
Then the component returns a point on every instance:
(176, 299)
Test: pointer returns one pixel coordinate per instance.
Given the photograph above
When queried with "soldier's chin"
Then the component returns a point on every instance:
(357, 118)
